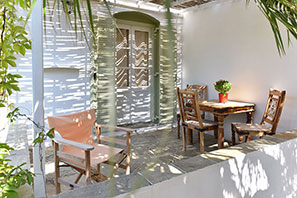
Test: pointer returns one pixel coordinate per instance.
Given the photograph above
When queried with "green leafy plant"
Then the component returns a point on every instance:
(11, 177)
(13, 42)
(223, 86)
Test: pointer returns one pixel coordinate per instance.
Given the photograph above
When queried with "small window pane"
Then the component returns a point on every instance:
(122, 58)
(122, 39)
(141, 39)
(141, 58)
(141, 77)
(122, 77)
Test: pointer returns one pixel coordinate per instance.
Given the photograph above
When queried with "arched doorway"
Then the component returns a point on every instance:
(137, 67)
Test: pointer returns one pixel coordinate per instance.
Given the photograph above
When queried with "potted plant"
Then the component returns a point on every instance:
(223, 86)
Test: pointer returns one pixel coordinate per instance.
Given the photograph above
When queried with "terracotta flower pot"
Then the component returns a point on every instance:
(223, 98)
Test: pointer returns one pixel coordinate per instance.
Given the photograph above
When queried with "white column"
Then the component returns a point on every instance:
(38, 110)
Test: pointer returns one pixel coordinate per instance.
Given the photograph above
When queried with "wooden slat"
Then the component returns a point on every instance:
(275, 92)
(188, 108)
(76, 166)
(189, 115)
(268, 121)
(188, 97)
(73, 158)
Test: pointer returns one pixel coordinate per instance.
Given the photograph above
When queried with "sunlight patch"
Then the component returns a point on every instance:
(222, 172)
(185, 180)
(249, 177)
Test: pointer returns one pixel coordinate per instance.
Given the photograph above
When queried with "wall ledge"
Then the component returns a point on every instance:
(127, 185)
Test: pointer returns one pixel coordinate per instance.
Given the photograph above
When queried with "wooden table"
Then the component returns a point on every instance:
(221, 110)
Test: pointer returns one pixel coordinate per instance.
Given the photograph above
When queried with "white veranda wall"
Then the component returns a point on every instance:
(269, 172)
(227, 40)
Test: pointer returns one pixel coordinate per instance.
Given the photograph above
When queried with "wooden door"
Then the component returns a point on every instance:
(133, 74)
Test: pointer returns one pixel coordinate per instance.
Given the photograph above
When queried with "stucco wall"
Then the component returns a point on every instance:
(227, 40)
(66, 63)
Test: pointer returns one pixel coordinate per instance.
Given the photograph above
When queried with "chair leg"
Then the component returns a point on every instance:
(57, 169)
(201, 142)
(178, 126)
(128, 166)
(184, 138)
(215, 131)
(128, 159)
(233, 134)
(88, 167)
(78, 178)
(240, 139)
(190, 136)
(247, 138)
(98, 168)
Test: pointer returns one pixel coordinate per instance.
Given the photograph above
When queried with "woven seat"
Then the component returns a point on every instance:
(207, 124)
(269, 121)
(245, 128)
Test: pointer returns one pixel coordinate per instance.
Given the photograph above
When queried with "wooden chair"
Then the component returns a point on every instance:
(202, 95)
(269, 121)
(191, 116)
(76, 148)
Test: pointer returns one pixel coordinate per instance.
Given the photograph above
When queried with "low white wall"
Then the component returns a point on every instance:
(227, 40)
(269, 172)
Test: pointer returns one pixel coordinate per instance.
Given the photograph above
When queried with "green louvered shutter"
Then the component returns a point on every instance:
(168, 78)
(103, 91)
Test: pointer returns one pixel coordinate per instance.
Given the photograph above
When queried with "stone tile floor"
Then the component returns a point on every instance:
(153, 152)
(156, 156)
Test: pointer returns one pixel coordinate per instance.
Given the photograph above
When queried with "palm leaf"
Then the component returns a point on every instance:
(280, 11)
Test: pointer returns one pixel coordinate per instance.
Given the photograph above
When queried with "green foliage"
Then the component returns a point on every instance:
(11, 177)
(43, 135)
(283, 11)
(13, 41)
(13, 115)
(223, 86)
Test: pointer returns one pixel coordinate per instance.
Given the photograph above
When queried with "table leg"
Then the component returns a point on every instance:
(190, 136)
(249, 117)
(221, 131)
(216, 130)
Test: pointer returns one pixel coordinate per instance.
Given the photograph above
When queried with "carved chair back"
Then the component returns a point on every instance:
(189, 106)
(273, 108)
(202, 91)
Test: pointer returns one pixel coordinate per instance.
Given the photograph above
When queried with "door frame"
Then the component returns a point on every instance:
(132, 26)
